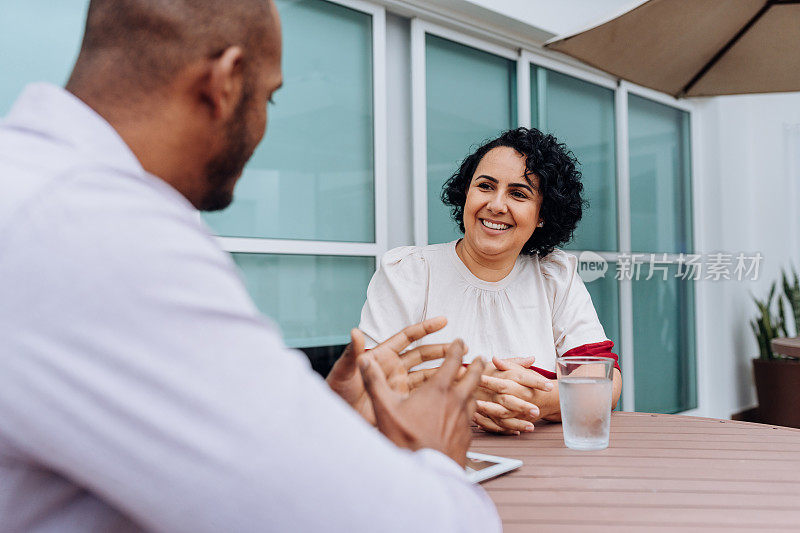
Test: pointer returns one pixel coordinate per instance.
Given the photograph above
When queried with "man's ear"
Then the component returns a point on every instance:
(222, 86)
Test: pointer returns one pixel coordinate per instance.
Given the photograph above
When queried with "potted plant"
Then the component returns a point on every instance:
(792, 293)
(777, 376)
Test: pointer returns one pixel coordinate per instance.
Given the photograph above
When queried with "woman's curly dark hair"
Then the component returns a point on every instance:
(559, 185)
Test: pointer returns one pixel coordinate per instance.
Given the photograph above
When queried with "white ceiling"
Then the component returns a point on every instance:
(558, 17)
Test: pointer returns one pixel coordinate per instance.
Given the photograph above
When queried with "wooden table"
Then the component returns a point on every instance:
(660, 473)
(787, 346)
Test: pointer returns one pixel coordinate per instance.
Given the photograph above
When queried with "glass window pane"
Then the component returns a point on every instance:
(40, 40)
(471, 97)
(661, 212)
(581, 115)
(663, 341)
(316, 300)
(605, 297)
(312, 177)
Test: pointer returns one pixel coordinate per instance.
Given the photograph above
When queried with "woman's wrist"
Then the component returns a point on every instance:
(550, 408)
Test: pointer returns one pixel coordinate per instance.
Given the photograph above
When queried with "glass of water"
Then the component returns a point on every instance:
(584, 389)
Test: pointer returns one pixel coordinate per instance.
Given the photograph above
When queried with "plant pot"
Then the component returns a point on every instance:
(778, 389)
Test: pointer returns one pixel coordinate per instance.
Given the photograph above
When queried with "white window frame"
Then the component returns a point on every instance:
(526, 58)
(626, 291)
(374, 249)
(419, 149)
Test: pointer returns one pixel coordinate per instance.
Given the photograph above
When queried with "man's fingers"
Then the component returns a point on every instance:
(452, 362)
(351, 352)
(357, 341)
(418, 377)
(374, 380)
(467, 385)
(421, 354)
(489, 425)
(347, 359)
(401, 340)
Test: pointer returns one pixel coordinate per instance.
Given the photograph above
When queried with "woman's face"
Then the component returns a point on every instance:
(502, 207)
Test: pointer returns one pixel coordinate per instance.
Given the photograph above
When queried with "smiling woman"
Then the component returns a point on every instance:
(504, 287)
(500, 214)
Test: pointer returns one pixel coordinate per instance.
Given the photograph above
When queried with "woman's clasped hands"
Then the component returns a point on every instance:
(511, 396)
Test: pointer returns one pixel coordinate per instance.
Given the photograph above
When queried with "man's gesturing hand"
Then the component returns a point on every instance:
(345, 378)
(436, 415)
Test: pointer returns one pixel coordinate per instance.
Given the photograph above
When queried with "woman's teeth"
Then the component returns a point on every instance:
(492, 225)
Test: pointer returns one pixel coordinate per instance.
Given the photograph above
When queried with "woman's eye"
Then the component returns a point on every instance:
(519, 194)
(484, 186)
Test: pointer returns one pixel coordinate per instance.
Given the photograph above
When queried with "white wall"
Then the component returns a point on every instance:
(750, 202)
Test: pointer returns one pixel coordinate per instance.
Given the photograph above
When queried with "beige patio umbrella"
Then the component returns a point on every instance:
(697, 47)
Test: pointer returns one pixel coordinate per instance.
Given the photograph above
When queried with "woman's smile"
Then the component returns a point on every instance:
(493, 225)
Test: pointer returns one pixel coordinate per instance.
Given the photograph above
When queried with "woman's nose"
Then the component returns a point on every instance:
(497, 204)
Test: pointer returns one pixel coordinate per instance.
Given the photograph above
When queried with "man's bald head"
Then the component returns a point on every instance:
(141, 45)
(185, 83)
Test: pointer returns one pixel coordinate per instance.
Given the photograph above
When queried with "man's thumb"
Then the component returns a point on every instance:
(374, 380)
(357, 341)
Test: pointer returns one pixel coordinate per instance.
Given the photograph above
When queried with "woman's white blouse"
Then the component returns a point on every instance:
(541, 309)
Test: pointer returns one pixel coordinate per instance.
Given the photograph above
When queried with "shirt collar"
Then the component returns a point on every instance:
(54, 112)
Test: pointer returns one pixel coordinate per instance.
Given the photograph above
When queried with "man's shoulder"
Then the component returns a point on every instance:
(87, 224)
(117, 223)
(28, 168)
(47, 180)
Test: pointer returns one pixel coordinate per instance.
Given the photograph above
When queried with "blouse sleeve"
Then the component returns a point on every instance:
(576, 328)
(396, 295)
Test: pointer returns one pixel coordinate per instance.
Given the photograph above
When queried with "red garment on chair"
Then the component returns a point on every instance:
(596, 349)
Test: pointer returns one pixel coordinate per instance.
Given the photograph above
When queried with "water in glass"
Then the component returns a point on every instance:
(585, 411)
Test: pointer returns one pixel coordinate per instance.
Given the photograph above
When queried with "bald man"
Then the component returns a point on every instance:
(140, 389)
